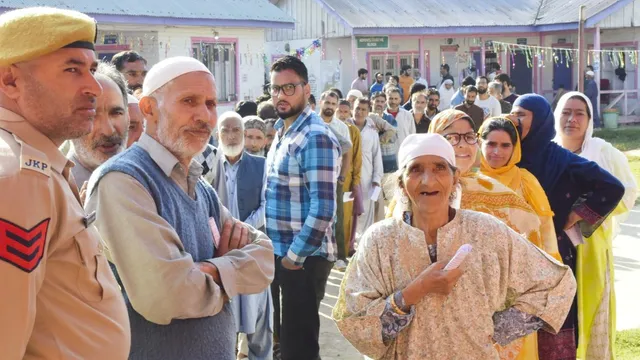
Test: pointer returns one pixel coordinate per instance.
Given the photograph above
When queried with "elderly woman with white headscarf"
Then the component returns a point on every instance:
(398, 301)
(596, 299)
(446, 94)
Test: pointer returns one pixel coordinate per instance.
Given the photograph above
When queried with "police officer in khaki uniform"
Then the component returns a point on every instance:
(58, 297)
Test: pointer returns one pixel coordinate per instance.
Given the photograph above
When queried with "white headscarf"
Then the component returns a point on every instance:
(416, 145)
(591, 146)
(602, 153)
(446, 95)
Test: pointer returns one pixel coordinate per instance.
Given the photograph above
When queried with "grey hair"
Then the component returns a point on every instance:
(230, 115)
(496, 86)
(107, 71)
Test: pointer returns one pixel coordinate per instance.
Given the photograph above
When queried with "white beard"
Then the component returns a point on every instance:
(231, 151)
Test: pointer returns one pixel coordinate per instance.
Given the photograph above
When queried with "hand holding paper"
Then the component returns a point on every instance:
(575, 235)
(459, 257)
(374, 193)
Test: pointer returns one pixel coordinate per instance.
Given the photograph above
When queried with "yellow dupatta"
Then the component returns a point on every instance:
(516, 178)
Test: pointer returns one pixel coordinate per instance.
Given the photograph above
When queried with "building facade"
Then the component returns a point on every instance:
(226, 35)
(471, 38)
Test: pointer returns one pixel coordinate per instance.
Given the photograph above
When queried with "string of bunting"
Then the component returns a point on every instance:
(306, 51)
(560, 55)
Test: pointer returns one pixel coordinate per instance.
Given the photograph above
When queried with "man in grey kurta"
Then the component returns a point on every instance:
(168, 236)
(591, 90)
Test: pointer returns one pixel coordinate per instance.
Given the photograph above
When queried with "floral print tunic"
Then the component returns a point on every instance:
(503, 271)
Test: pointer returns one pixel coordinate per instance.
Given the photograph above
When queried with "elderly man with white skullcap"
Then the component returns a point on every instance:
(177, 251)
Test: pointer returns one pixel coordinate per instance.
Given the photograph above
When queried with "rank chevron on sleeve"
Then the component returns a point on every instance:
(20, 247)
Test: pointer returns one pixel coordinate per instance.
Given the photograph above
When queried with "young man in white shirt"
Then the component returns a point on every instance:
(488, 104)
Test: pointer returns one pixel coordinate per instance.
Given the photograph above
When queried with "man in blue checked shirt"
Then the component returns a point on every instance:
(302, 173)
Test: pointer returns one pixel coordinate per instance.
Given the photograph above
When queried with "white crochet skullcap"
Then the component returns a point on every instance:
(169, 69)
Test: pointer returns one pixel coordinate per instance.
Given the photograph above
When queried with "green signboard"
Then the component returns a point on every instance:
(372, 42)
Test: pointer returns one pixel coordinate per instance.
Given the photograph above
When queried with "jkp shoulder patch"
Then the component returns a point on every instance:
(20, 247)
(33, 159)
(32, 163)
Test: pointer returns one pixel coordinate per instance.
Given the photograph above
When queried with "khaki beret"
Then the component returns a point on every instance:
(26, 34)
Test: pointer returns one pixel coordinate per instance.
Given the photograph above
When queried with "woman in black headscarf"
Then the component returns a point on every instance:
(581, 195)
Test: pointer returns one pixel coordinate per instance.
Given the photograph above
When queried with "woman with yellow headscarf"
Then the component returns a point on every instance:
(484, 194)
(501, 153)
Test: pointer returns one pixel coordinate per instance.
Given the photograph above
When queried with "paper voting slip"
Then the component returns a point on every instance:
(575, 235)
(374, 193)
(214, 232)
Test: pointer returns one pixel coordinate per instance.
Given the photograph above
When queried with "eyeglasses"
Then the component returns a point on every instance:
(287, 89)
(455, 138)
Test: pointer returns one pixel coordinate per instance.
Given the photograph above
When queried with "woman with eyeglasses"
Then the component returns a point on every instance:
(485, 194)
(478, 192)
(581, 195)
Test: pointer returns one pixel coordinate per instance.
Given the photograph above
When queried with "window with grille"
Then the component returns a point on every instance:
(394, 62)
(376, 64)
(220, 58)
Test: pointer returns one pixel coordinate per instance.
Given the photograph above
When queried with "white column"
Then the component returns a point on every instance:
(596, 46)
(421, 66)
(354, 60)
(482, 71)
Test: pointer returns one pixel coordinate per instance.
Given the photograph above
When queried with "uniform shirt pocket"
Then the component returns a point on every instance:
(94, 280)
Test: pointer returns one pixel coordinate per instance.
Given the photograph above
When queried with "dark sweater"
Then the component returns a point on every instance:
(475, 112)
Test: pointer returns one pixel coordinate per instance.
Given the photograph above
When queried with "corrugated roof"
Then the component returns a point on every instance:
(252, 10)
(566, 11)
(432, 13)
(460, 13)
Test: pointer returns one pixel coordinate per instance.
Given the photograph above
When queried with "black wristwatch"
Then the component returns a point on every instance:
(341, 179)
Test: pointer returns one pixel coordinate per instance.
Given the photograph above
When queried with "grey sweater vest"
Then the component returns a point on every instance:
(208, 338)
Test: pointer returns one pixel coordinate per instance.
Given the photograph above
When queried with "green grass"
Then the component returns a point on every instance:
(624, 138)
(628, 345)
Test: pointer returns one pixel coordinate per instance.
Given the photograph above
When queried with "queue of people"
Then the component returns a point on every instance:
(128, 231)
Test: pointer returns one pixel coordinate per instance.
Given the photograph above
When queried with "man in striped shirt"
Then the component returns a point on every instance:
(302, 169)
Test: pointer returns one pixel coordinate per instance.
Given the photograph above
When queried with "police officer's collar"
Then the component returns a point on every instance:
(28, 135)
